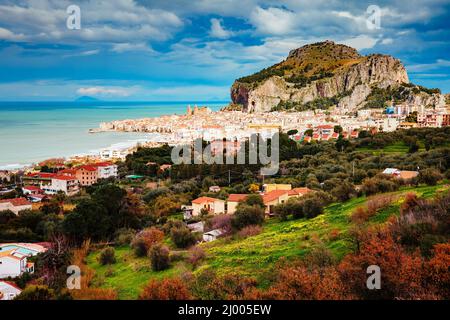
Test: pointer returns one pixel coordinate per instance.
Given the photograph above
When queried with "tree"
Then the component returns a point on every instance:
(36, 292)
(182, 237)
(292, 132)
(159, 257)
(88, 220)
(246, 215)
(430, 176)
(338, 129)
(167, 289)
(254, 200)
(107, 256)
(145, 239)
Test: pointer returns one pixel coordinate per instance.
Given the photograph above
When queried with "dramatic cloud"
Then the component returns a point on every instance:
(217, 31)
(273, 21)
(204, 44)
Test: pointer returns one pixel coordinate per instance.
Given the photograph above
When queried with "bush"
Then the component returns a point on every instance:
(167, 289)
(107, 256)
(223, 222)
(124, 236)
(430, 176)
(145, 239)
(196, 255)
(312, 207)
(246, 215)
(182, 237)
(250, 231)
(36, 292)
(159, 257)
(379, 184)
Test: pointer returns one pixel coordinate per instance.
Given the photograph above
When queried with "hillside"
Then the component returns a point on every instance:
(326, 74)
(255, 256)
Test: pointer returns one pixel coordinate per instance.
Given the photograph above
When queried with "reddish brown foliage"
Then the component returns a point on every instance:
(167, 289)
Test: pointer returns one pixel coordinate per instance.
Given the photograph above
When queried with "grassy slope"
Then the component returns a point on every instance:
(253, 256)
(398, 147)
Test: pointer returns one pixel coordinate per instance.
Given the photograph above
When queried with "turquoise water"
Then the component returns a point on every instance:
(21, 250)
(34, 131)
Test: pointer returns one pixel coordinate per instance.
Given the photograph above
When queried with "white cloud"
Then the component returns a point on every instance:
(273, 21)
(440, 63)
(125, 47)
(101, 21)
(6, 34)
(218, 31)
(361, 42)
(109, 91)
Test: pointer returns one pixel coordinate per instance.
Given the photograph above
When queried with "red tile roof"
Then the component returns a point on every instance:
(66, 178)
(236, 197)
(273, 195)
(204, 200)
(88, 168)
(299, 191)
(32, 188)
(17, 202)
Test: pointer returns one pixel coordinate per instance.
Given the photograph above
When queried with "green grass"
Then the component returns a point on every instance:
(254, 256)
(294, 238)
(129, 274)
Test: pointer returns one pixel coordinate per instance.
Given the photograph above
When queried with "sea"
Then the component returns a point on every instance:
(34, 131)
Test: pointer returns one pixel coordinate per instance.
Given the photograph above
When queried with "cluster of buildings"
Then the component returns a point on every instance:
(202, 123)
(272, 195)
(67, 180)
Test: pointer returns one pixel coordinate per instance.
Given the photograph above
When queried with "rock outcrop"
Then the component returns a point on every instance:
(324, 71)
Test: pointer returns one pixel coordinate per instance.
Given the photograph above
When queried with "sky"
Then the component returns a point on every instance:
(180, 50)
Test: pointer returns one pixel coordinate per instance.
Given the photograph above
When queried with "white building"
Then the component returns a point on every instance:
(112, 154)
(8, 290)
(13, 264)
(212, 235)
(106, 170)
(13, 258)
(212, 205)
(15, 205)
(67, 184)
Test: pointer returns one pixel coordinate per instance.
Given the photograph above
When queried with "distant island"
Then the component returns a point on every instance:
(86, 99)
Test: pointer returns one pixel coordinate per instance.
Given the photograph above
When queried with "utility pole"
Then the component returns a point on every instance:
(229, 177)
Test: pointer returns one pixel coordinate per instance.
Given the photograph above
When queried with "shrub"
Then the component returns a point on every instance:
(139, 247)
(167, 289)
(312, 207)
(124, 236)
(223, 222)
(159, 257)
(182, 237)
(145, 239)
(379, 184)
(246, 215)
(107, 256)
(36, 292)
(249, 231)
(430, 176)
(196, 255)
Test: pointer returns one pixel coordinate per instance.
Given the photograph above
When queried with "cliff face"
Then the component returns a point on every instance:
(322, 71)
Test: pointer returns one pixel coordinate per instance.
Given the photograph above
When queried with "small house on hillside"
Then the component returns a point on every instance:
(212, 235)
(212, 205)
